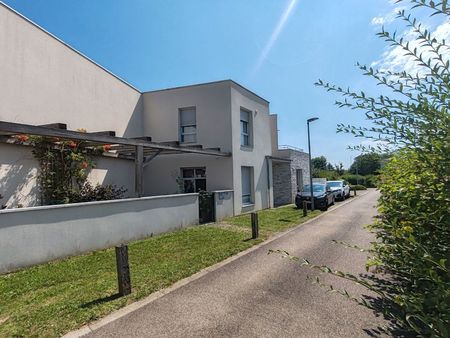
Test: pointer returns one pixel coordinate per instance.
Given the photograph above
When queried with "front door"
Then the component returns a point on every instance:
(299, 179)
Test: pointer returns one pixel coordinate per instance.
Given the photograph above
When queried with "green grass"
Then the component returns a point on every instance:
(51, 299)
(274, 220)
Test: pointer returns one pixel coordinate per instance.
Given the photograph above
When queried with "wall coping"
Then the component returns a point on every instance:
(228, 190)
(93, 203)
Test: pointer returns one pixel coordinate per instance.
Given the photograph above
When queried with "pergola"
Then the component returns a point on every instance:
(139, 149)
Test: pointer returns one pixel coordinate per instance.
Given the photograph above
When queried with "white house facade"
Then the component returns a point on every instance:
(43, 81)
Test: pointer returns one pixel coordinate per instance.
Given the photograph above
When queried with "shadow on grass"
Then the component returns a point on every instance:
(100, 301)
(285, 220)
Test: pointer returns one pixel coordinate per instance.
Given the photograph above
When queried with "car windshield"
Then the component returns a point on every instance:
(334, 184)
(316, 188)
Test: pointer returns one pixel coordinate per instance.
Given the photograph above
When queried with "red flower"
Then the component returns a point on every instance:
(72, 144)
(23, 138)
(84, 165)
(106, 147)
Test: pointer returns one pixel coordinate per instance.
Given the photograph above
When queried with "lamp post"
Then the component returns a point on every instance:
(310, 166)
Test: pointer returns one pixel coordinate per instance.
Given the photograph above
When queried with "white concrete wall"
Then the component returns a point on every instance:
(254, 156)
(37, 235)
(223, 204)
(218, 125)
(42, 81)
(213, 118)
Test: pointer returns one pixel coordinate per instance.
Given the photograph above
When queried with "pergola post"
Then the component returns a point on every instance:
(139, 171)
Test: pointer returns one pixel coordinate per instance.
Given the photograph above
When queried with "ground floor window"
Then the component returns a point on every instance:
(247, 179)
(194, 179)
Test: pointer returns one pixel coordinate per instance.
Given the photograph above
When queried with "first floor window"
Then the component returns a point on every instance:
(188, 125)
(194, 179)
(245, 128)
(246, 177)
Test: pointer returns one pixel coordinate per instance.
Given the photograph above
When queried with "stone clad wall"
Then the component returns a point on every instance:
(285, 175)
(299, 160)
(282, 186)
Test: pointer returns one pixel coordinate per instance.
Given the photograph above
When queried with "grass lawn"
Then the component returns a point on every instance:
(274, 220)
(51, 299)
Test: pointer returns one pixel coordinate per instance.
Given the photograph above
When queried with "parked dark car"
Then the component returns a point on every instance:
(340, 189)
(323, 197)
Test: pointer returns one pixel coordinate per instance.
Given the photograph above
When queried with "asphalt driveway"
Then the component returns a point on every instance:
(261, 295)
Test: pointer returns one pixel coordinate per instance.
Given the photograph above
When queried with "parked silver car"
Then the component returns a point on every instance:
(340, 189)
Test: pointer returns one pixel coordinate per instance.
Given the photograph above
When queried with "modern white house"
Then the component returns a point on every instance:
(43, 81)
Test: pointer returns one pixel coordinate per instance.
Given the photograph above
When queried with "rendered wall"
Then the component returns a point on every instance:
(42, 81)
(37, 235)
(254, 156)
(213, 118)
(223, 204)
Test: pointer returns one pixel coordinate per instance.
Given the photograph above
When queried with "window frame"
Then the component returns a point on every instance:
(194, 178)
(249, 198)
(249, 126)
(181, 133)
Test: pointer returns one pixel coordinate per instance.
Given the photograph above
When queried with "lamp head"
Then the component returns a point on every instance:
(312, 119)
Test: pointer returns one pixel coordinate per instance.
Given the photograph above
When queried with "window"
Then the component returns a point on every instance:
(246, 177)
(194, 179)
(188, 125)
(245, 127)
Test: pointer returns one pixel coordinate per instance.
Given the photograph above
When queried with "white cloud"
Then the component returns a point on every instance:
(386, 19)
(394, 58)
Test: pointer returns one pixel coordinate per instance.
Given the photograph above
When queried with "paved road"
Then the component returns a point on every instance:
(260, 295)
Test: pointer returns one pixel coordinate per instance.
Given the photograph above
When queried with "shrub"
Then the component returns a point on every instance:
(413, 229)
(89, 193)
(330, 175)
(370, 181)
(358, 187)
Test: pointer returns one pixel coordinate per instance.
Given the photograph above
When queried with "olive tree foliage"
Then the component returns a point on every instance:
(413, 228)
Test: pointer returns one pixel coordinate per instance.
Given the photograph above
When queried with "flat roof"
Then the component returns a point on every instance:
(206, 84)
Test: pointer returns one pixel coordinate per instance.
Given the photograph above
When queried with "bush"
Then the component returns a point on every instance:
(89, 193)
(330, 175)
(369, 181)
(358, 187)
(414, 234)
(413, 229)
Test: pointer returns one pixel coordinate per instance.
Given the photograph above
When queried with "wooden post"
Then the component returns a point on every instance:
(139, 171)
(255, 225)
(123, 270)
(305, 208)
(354, 191)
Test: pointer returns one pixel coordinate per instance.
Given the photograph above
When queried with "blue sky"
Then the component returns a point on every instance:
(276, 48)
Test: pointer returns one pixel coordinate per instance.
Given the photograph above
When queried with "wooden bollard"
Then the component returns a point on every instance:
(354, 191)
(123, 270)
(255, 225)
(305, 208)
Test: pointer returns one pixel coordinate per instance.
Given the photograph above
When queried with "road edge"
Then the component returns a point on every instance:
(91, 327)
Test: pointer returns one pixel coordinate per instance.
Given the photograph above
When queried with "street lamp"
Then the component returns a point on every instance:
(310, 166)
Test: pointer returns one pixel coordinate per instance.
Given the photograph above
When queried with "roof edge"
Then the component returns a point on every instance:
(206, 84)
(68, 46)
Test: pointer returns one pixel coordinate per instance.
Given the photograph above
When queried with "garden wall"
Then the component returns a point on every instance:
(223, 204)
(37, 235)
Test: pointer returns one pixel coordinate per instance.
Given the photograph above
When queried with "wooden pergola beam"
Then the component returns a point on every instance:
(18, 128)
(55, 125)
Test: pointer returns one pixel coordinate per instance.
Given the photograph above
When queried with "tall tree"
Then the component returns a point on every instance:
(366, 164)
(319, 163)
